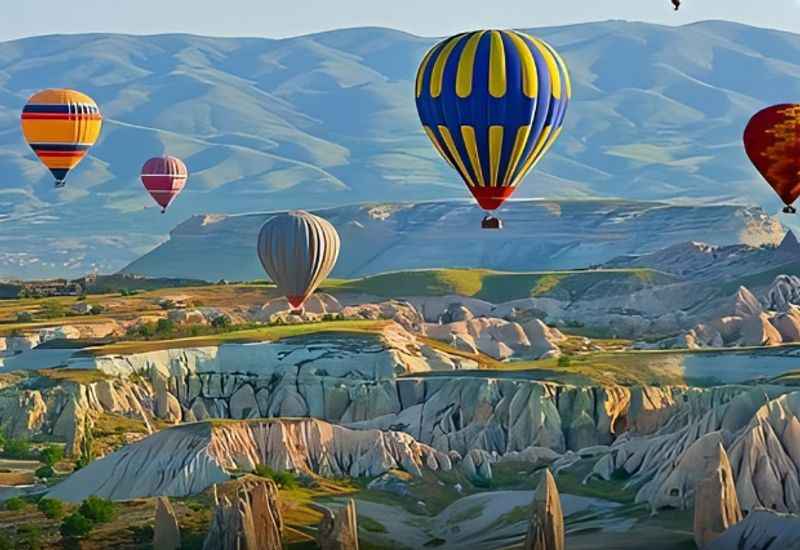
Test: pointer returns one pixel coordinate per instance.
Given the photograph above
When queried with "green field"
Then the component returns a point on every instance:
(497, 287)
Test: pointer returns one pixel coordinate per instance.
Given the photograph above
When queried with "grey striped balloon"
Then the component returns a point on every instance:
(298, 250)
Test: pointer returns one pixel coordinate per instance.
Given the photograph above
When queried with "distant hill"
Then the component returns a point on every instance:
(328, 119)
(539, 235)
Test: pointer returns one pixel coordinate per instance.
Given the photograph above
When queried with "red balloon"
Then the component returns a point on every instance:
(164, 178)
(772, 141)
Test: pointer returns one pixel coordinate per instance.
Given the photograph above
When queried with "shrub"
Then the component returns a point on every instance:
(50, 507)
(24, 316)
(18, 449)
(51, 455)
(221, 322)
(29, 537)
(164, 327)
(97, 509)
(97, 309)
(45, 472)
(564, 361)
(283, 479)
(6, 543)
(15, 504)
(76, 526)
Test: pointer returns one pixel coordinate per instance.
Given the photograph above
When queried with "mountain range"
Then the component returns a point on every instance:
(328, 119)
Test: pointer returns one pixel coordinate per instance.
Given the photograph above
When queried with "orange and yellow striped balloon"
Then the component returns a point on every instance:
(60, 126)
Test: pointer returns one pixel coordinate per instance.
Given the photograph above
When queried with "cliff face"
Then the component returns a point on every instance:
(185, 460)
(390, 237)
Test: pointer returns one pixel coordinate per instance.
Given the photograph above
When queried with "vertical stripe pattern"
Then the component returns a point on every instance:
(61, 126)
(298, 251)
(492, 103)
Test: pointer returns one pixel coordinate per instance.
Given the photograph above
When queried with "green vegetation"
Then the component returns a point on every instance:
(97, 509)
(282, 478)
(76, 526)
(17, 449)
(45, 472)
(15, 504)
(50, 507)
(496, 286)
(369, 524)
(51, 455)
(245, 335)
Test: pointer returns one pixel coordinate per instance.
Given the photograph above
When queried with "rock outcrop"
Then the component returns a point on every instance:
(761, 530)
(338, 529)
(783, 293)
(499, 338)
(546, 525)
(716, 507)
(187, 459)
(251, 521)
(166, 531)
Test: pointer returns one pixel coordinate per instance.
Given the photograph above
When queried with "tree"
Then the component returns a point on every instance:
(45, 472)
(19, 449)
(50, 507)
(51, 455)
(164, 327)
(282, 478)
(87, 446)
(29, 537)
(221, 322)
(15, 504)
(97, 509)
(75, 526)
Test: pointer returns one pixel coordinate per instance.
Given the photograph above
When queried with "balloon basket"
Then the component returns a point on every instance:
(490, 222)
(789, 210)
(59, 184)
(297, 312)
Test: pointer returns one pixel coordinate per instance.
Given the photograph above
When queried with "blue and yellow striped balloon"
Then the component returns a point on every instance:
(492, 102)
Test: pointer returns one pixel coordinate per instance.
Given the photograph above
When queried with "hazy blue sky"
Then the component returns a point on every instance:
(277, 18)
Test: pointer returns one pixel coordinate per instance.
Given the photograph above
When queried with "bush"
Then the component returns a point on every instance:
(221, 322)
(51, 455)
(564, 361)
(6, 543)
(15, 504)
(97, 509)
(29, 537)
(75, 526)
(164, 327)
(97, 309)
(45, 472)
(24, 316)
(283, 479)
(50, 507)
(18, 449)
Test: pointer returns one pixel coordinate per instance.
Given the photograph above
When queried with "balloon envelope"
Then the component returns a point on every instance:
(298, 251)
(164, 178)
(492, 103)
(60, 126)
(772, 141)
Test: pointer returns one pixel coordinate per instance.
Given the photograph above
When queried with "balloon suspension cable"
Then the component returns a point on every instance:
(491, 222)
(789, 210)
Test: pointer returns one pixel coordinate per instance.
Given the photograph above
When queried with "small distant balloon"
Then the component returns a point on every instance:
(164, 178)
(772, 141)
(61, 126)
(492, 103)
(298, 251)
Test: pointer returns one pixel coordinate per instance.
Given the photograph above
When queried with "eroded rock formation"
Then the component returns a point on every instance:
(716, 507)
(250, 521)
(338, 529)
(546, 525)
(166, 531)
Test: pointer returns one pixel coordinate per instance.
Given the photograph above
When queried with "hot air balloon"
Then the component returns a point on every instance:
(164, 178)
(60, 126)
(772, 141)
(492, 102)
(298, 250)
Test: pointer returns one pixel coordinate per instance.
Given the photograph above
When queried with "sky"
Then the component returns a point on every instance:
(281, 18)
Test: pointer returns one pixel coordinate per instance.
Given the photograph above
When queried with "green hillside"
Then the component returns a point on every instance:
(497, 287)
